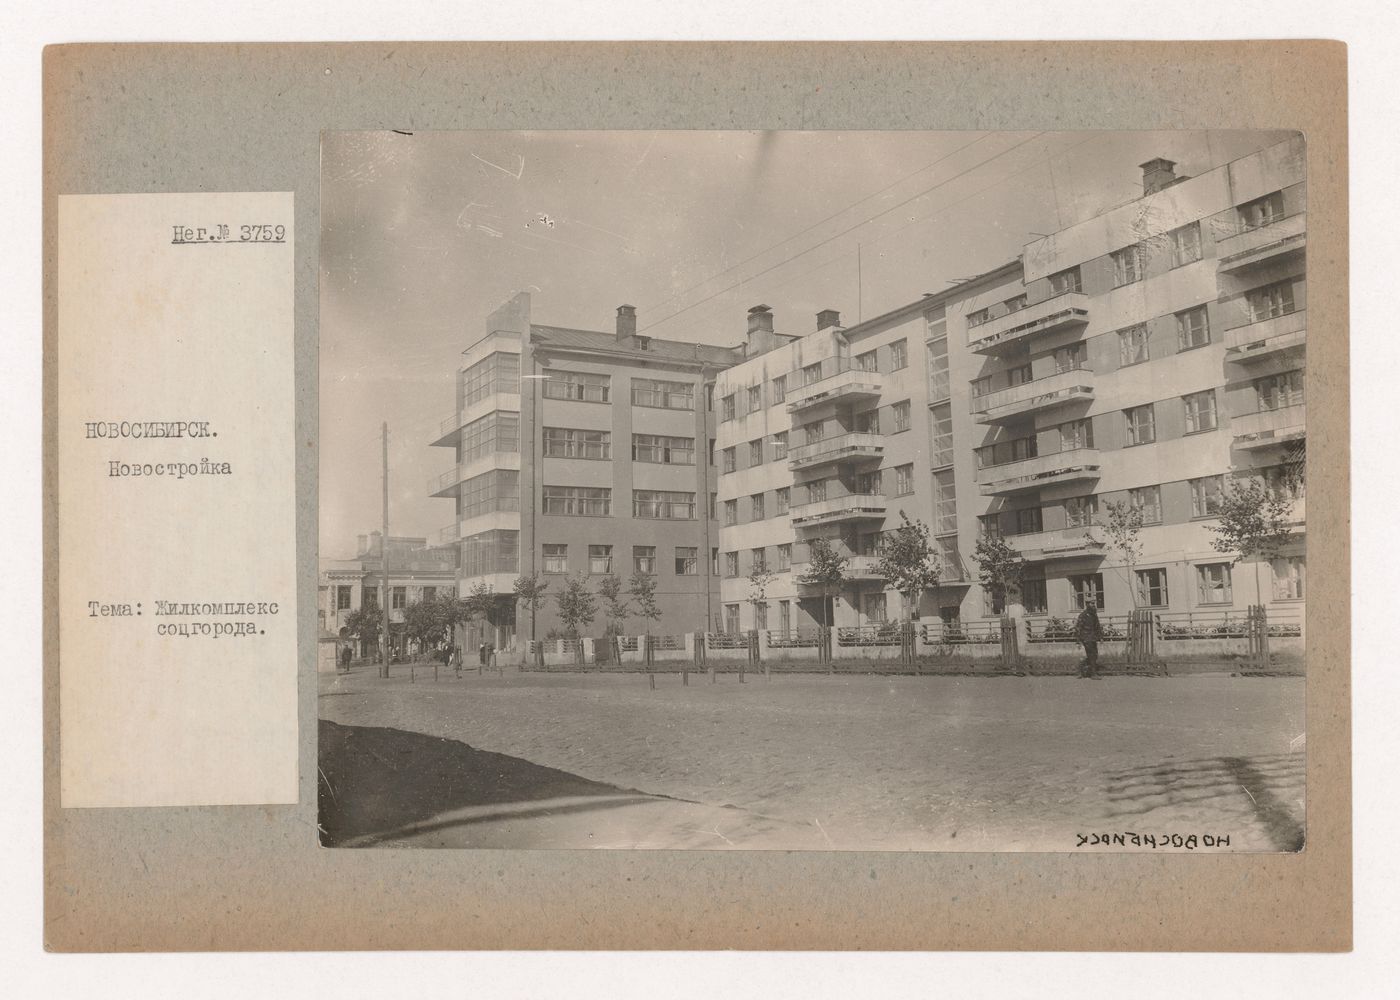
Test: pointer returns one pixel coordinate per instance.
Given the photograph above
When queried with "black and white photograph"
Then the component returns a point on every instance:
(813, 490)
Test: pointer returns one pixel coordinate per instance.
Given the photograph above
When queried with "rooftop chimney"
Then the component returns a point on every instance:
(1158, 174)
(827, 318)
(626, 322)
(760, 318)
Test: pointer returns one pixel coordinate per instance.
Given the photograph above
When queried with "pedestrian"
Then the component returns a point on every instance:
(1089, 632)
(456, 658)
(345, 659)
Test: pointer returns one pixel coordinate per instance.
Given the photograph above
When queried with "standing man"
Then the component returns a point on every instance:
(1089, 631)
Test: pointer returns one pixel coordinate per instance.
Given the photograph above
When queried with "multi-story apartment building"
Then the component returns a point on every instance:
(416, 570)
(1148, 355)
(584, 451)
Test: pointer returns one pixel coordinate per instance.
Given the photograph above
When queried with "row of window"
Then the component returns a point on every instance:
(596, 387)
(596, 501)
(752, 396)
(398, 596)
(644, 559)
(1214, 585)
(864, 422)
(573, 442)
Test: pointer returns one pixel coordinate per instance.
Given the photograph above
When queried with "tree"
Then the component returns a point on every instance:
(1255, 521)
(760, 579)
(481, 604)
(365, 623)
(431, 620)
(826, 569)
(577, 605)
(642, 588)
(530, 594)
(999, 569)
(1124, 528)
(909, 563)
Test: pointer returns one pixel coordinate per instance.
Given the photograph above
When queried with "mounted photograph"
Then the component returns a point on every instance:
(829, 491)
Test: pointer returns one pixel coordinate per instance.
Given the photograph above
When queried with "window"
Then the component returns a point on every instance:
(760, 616)
(687, 561)
(875, 607)
(569, 442)
(370, 599)
(666, 505)
(1016, 303)
(644, 559)
(781, 500)
(1186, 244)
(429, 594)
(868, 482)
(758, 560)
(731, 512)
(899, 355)
(731, 618)
(709, 397)
(755, 398)
(1290, 575)
(1069, 359)
(1132, 345)
(785, 616)
(816, 491)
(1019, 375)
(1127, 265)
(901, 416)
(981, 386)
(1270, 301)
(578, 501)
(727, 457)
(779, 388)
(585, 386)
(491, 552)
(812, 373)
(662, 449)
(868, 362)
(399, 598)
(814, 431)
(1261, 212)
(903, 480)
(867, 422)
(714, 505)
(1077, 434)
(1192, 328)
(556, 558)
(945, 502)
(731, 564)
(780, 446)
(1275, 392)
(755, 452)
(492, 433)
(1028, 521)
(1284, 481)
(784, 560)
(1065, 281)
(1015, 450)
(726, 407)
(1200, 411)
(1142, 424)
(989, 525)
(979, 317)
(1148, 500)
(1207, 496)
(939, 385)
(1033, 597)
(714, 562)
(1088, 589)
(493, 374)
(342, 597)
(490, 492)
(756, 507)
(941, 433)
(712, 451)
(1213, 584)
(599, 559)
(1152, 588)
(662, 394)
(1081, 511)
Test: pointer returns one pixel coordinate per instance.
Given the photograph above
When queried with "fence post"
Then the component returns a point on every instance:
(1010, 651)
(826, 651)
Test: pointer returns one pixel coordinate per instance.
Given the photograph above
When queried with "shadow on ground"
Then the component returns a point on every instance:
(375, 782)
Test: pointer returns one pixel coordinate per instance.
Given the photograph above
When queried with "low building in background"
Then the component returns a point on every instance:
(416, 571)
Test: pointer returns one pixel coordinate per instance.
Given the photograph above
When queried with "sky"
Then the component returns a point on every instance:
(424, 234)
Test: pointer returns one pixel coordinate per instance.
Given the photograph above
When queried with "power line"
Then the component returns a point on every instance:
(843, 232)
(821, 222)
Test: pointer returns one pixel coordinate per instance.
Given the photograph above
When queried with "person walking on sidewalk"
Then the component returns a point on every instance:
(1089, 632)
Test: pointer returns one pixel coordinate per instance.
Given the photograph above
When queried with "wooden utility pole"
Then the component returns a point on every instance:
(384, 567)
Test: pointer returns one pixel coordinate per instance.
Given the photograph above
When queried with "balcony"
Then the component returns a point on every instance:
(1265, 338)
(839, 383)
(1033, 473)
(1251, 247)
(1062, 543)
(859, 569)
(446, 484)
(1267, 428)
(1063, 312)
(1030, 397)
(840, 448)
(851, 507)
(449, 428)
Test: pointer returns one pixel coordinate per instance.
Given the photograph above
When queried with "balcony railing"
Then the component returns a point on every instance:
(443, 485)
(1061, 543)
(1266, 337)
(840, 380)
(447, 431)
(1257, 245)
(1033, 473)
(1270, 427)
(1043, 393)
(858, 568)
(1062, 312)
(839, 448)
(851, 507)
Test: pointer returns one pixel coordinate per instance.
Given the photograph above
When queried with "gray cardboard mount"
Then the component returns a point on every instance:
(226, 117)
